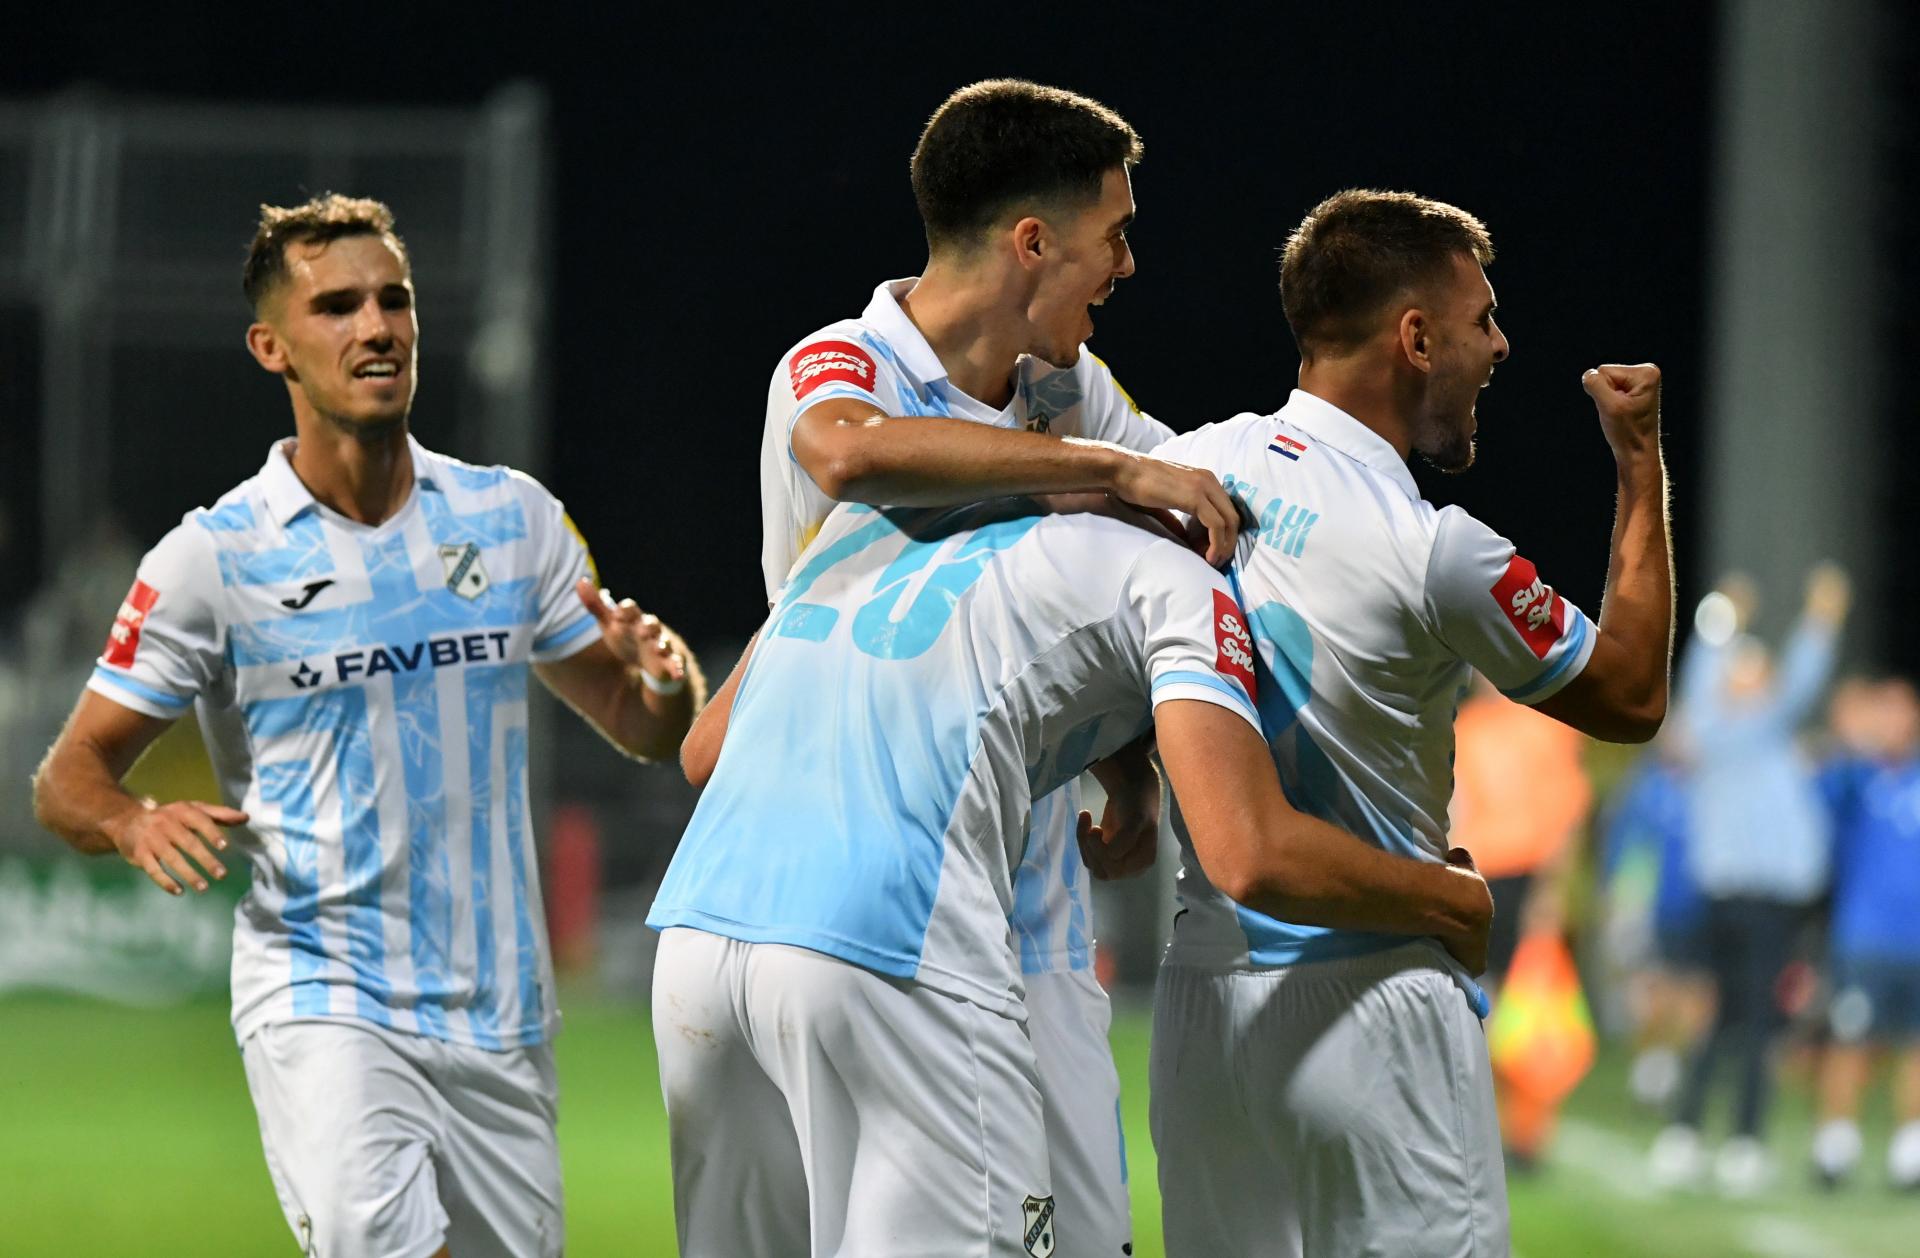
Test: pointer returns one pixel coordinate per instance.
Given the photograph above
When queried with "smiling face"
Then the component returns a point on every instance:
(1089, 254)
(340, 327)
(1463, 345)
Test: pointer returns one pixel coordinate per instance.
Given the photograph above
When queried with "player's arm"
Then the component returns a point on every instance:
(700, 751)
(77, 795)
(855, 452)
(639, 685)
(1262, 852)
(1621, 694)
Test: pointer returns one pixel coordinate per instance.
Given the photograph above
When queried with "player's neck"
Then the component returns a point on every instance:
(1359, 387)
(364, 475)
(961, 312)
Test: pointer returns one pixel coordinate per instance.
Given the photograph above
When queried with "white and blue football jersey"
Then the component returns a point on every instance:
(923, 677)
(362, 691)
(882, 359)
(1370, 608)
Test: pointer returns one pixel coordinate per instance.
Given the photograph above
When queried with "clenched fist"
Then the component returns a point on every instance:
(1628, 399)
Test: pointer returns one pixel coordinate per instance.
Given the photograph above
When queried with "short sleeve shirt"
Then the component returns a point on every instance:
(1370, 608)
(363, 695)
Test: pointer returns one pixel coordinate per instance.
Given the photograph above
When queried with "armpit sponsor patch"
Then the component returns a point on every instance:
(123, 640)
(829, 362)
(1235, 643)
(1536, 611)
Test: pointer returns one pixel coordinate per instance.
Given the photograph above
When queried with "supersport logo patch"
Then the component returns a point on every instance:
(1535, 610)
(123, 640)
(826, 362)
(1234, 657)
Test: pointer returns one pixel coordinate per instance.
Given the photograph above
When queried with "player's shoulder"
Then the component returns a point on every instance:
(1219, 439)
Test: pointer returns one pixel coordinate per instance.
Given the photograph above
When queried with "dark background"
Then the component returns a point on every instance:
(723, 185)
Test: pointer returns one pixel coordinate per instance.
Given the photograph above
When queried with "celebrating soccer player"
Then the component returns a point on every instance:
(1328, 1091)
(354, 625)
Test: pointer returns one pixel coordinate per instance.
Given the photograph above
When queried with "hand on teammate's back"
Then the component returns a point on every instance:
(1628, 399)
(1149, 482)
(1469, 947)
(166, 841)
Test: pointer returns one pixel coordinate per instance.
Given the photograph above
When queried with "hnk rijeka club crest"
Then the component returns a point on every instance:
(1038, 1213)
(465, 576)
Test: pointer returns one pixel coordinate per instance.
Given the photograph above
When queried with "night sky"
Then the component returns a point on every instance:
(722, 187)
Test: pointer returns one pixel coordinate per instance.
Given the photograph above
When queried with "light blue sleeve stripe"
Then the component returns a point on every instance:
(1210, 682)
(159, 698)
(560, 637)
(1551, 680)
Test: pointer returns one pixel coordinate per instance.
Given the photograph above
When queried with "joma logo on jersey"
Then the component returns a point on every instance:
(466, 648)
(1235, 643)
(1537, 613)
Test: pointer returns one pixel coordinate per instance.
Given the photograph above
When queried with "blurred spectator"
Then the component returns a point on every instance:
(1759, 841)
(1520, 798)
(1646, 827)
(1873, 786)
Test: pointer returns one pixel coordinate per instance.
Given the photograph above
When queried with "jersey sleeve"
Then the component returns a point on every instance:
(562, 627)
(1196, 641)
(1111, 412)
(832, 365)
(1489, 605)
(165, 646)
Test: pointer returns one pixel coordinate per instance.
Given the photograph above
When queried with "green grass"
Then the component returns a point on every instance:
(129, 1132)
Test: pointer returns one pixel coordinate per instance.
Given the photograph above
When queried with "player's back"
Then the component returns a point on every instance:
(1367, 605)
(923, 676)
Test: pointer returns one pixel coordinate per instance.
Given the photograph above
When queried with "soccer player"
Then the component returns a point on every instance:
(837, 996)
(940, 392)
(1328, 1091)
(354, 626)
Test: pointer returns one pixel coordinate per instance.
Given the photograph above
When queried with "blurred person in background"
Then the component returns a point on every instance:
(1671, 995)
(1759, 852)
(1875, 930)
(355, 626)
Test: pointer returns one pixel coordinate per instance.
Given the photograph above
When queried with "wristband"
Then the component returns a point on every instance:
(670, 687)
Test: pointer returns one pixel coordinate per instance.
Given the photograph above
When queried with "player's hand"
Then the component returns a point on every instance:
(635, 637)
(1628, 399)
(167, 841)
(1829, 593)
(1125, 842)
(1146, 481)
(1469, 944)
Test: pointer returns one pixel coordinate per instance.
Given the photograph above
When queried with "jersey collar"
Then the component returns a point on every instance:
(1330, 425)
(884, 315)
(287, 495)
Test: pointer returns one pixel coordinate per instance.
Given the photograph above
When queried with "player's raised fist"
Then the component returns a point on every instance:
(1628, 400)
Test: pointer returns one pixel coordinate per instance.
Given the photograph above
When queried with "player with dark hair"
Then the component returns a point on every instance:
(354, 626)
(960, 384)
(1328, 1091)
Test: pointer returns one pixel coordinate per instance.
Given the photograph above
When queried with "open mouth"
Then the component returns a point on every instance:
(377, 370)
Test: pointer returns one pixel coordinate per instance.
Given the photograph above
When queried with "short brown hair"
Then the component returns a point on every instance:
(1002, 143)
(325, 218)
(1355, 250)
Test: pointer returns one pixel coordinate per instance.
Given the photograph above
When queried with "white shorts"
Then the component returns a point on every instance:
(390, 1145)
(817, 1107)
(1068, 1018)
(1336, 1107)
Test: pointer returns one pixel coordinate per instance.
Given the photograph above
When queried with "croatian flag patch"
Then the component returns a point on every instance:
(1287, 447)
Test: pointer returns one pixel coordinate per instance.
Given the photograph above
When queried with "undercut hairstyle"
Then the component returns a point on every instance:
(320, 221)
(1006, 144)
(1359, 249)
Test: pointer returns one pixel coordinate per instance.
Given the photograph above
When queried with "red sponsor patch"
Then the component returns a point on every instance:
(825, 362)
(124, 638)
(1535, 610)
(1235, 658)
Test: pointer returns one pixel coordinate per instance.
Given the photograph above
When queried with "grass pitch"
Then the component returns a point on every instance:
(129, 1132)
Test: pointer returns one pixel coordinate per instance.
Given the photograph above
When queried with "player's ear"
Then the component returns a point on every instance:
(266, 347)
(1416, 334)
(1030, 241)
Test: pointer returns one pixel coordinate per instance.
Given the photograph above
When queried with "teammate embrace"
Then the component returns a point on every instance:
(876, 1026)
